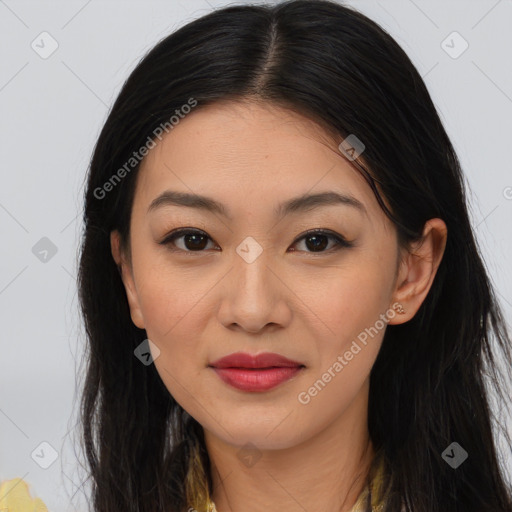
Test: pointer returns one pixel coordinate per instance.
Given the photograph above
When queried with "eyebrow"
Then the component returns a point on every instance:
(297, 204)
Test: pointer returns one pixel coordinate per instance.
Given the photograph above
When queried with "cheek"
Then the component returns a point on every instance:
(348, 304)
(177, 314)
(173, 323)
(172, 305)
(347, 343)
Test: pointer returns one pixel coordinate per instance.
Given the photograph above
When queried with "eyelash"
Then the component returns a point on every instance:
(340, 242)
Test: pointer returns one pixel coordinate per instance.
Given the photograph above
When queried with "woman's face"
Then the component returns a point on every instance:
(255, 283)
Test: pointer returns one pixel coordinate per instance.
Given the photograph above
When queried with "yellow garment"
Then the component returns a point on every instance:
(378, 501)
(15, 497)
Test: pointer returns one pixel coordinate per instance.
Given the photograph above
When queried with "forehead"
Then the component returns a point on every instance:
(249, 156)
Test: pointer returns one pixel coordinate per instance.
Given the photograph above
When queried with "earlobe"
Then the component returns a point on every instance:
(127, 278)
(418, 270)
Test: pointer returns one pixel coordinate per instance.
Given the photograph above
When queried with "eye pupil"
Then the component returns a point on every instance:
(196, 237)
(320, 241)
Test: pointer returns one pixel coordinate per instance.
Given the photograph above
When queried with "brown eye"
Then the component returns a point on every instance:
(193, 240)
(318, 240)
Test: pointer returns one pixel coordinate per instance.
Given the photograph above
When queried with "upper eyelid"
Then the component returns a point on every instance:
(183, 231)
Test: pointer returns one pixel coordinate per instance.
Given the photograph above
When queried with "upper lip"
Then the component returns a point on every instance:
(245, 360)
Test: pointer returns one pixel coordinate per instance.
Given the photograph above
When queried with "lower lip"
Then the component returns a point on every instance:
(256, 380)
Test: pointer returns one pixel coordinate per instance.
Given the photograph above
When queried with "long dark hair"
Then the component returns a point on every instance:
(432, 381)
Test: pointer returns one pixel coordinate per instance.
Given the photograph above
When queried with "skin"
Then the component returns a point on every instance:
(308, 306)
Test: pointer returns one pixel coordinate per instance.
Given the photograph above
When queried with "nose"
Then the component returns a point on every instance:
(254, 296)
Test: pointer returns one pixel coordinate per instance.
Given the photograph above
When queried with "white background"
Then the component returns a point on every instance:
(52, 111)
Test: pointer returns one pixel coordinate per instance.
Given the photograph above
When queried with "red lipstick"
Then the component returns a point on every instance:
(255, 373)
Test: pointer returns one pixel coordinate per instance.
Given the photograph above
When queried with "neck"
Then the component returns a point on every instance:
(325, 472)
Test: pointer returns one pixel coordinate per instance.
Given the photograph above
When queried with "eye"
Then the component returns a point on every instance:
(193, 239)
(318, 239)
(315, 239)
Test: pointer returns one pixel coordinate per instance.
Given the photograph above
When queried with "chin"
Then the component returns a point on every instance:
(264, 434)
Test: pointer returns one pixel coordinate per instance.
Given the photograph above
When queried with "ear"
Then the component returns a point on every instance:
(127, 276)
(418, 269)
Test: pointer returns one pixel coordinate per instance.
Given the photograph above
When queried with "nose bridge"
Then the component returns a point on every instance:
(251, 295)
(252, 275)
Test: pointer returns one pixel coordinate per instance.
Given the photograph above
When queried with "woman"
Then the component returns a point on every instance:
(285, 303)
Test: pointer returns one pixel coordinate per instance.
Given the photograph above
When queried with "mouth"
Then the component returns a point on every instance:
(257, 379)
(257, 373)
